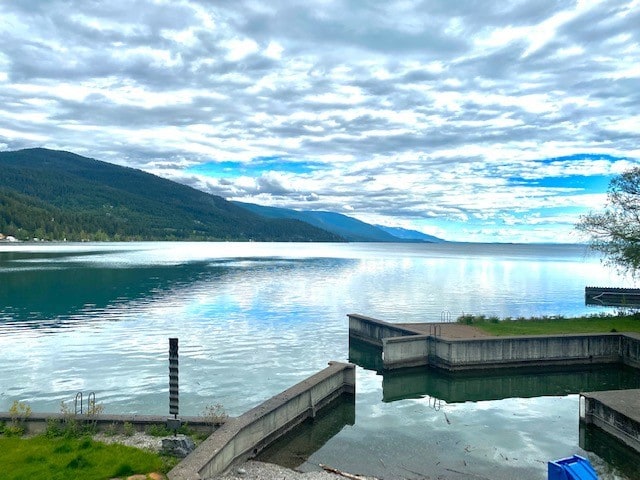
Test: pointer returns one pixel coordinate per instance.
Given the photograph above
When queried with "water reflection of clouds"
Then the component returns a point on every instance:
(252, 326)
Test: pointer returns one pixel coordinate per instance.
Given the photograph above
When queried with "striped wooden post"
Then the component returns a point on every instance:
(173, 377)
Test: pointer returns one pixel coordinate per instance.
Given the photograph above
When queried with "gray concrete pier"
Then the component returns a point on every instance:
(430, 345)
(243, 437)
(616, 412)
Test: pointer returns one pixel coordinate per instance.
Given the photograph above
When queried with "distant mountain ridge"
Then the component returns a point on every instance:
(349, 228)
(410, 235)
(57, 195)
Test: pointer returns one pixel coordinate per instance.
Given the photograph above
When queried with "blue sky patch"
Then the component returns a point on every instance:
(588, 183)
(256, 167)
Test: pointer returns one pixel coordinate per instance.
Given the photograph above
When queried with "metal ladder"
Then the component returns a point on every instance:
(91, 403)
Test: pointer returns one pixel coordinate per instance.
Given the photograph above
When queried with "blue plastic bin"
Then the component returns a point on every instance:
(571, 468)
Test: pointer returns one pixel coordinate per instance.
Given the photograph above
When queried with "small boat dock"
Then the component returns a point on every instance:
(612, 297)
(616, 412)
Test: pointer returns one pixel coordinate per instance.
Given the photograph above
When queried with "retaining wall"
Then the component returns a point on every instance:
(37, 422)
(402, 348)
(630, 349)
(615, 412)
(373, 331)
(243, 437)
(404, 352)
(525, 351)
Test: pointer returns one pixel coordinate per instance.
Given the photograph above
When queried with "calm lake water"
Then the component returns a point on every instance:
(253, 319)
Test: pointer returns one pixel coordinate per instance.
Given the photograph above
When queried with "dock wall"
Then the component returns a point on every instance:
(373, 331)
(404, 348)
(612, 297)
(614, 412)
(525, 351)
(243, 437)
(630, 349)
(404, 352)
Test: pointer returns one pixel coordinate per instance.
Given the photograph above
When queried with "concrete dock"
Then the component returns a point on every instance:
(616, 412)
(456, 347)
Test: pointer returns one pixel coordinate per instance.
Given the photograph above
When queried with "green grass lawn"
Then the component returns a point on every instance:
(42, 458)
(554, 325)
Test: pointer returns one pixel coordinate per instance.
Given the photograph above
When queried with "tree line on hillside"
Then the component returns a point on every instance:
(25, 219)
(53, 195)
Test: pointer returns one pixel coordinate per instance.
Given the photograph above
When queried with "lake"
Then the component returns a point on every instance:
(255, 318)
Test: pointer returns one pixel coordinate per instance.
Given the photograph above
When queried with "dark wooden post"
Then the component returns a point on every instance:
(173, 377)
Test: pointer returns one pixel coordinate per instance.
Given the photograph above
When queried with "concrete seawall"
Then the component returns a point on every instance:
(37, 423)
(373, 331)
(243, 437)
(410, 349)
(495, 352)
(615, 412)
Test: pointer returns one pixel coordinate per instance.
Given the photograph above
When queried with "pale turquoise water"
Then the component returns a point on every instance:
(253, 319)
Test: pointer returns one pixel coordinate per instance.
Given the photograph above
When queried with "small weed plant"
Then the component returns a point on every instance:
(128, 429)
(214, 415)
(19, 413)
(161, 430)
(111, 430)
(70, 426)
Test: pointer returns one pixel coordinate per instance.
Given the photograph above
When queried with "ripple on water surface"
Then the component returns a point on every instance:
(254, 319)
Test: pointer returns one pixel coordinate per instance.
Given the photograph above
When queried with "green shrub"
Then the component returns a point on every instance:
(70, 426)
(128, 429)
(111, 429)
(19, 413)
(159, 430)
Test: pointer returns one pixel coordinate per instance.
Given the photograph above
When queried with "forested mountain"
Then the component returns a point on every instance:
(410, 235)
(349, 228)
(56, 195)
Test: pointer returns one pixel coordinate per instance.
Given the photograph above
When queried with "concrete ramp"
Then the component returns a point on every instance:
(245, 436)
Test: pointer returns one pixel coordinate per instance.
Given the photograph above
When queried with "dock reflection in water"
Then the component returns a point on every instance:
(294, 448)
(612, 451)
(491, 385)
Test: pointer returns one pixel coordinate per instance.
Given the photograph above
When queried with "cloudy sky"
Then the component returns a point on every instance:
(470, 120)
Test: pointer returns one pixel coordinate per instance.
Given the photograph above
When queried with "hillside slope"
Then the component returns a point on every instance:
(60, 195)
(349, 228)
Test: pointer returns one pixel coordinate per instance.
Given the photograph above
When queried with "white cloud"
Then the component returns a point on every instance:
(418, 113)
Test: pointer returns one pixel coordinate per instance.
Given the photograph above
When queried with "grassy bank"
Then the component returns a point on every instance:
(553, 325)
(42, 458)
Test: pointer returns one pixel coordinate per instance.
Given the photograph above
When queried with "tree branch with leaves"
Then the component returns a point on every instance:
(615, 232)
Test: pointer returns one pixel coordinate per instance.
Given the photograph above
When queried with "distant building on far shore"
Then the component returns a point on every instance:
(7, 238)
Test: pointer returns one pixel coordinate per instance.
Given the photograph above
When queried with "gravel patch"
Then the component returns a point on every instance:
(138, 439)
(253, 470)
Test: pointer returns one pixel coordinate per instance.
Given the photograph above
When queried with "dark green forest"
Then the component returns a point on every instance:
(54, 195)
